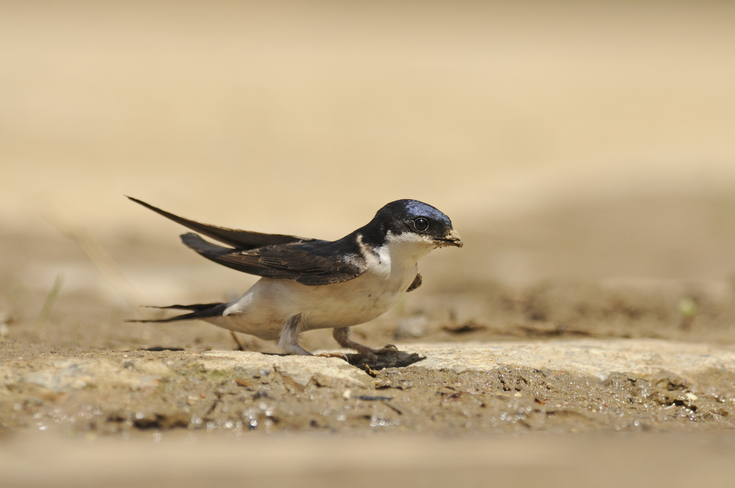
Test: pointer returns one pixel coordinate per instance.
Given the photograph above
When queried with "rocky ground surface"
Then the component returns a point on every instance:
(559, 386)
(186, 417)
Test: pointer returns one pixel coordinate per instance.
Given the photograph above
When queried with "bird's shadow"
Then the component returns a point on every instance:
(397, 359)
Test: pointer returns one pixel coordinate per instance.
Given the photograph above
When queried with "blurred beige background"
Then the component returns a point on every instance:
(559, 136)
(583, 140)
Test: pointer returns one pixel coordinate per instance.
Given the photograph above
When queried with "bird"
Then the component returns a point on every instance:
(309, 284)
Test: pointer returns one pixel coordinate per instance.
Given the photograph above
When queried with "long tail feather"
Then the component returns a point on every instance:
(199, 311)
(194, 308)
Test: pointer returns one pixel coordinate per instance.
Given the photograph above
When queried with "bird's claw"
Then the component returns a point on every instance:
(387, 349)
(338, 355)
(372, 354)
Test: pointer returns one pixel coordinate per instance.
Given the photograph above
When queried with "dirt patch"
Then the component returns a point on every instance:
(186, 395)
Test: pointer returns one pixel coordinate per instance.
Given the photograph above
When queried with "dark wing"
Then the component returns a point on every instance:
(241, 239)
(309, 263)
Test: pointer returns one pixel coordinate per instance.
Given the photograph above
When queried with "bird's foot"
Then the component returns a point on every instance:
(336, 355)
(387, 349)
(372, 354)
(341, 335)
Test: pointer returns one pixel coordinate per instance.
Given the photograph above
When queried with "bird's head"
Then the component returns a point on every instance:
(414, 221)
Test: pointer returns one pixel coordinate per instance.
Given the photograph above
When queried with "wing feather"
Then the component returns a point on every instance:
(308, 263)
(241, 239)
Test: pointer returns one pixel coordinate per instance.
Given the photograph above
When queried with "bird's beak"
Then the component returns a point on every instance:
(451, 238)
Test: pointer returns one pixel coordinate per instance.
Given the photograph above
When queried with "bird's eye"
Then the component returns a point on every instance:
(421, 224)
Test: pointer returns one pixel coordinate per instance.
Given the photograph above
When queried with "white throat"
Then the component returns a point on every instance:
(404, 250)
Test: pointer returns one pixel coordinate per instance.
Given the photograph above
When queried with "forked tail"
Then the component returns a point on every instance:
(198, 311)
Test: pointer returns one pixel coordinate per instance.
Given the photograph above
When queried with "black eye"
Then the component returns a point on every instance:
(421, 224)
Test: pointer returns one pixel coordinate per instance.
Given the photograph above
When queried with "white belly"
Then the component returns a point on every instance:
(264, 309)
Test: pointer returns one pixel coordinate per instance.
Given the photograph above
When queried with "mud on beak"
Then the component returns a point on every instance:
(451, 238)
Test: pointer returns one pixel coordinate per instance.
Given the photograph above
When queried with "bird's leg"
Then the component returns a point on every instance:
(342, 336)
(289, 341)
(237, 341)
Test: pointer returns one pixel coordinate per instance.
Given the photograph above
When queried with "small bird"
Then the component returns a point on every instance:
(311, 284)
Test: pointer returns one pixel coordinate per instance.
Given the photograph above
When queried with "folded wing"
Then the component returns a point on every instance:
(310, 263)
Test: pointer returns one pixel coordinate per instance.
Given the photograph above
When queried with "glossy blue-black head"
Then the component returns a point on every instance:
(418, 218)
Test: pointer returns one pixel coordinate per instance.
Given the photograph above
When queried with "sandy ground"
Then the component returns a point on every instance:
(583, 152)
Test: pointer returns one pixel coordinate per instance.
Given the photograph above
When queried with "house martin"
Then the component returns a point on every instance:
(310, 284)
